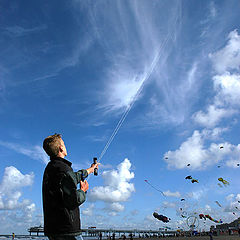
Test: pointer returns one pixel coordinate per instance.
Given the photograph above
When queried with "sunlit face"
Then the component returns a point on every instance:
(63, 148)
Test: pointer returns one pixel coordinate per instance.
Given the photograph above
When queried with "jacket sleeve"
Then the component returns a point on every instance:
(72, 197)
(81, 175)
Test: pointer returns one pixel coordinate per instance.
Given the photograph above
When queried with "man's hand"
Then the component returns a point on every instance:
(84, 185)
(91, 169)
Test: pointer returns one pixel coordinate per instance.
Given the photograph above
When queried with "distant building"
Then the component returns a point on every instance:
(235, 225)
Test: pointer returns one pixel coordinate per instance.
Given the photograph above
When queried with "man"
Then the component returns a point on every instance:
(61, 198)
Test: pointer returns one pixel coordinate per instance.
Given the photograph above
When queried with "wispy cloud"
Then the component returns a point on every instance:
(34, 152)
(19, 31)
(172, 194)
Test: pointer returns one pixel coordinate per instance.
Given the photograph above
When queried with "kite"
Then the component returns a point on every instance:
(221, 147)
(202, 216)
(194, 180)
(225, 183)
(238, 164)
(166, 158)
(154, 187)
(182, 199)
(218, 203)
(219, 166)
(161, 217)
(234, 213)
(188, 164)
(239, 201)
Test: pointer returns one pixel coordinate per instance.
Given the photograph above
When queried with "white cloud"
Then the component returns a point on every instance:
(195, 152)
(89, 210)
(172, 194)
(228, 58)
(227, 87)
(117, 207)
(34, 152)
(123, 89)
(226, 63)
(13, 180)
(117, 185)
(212, 117)
(15, 210)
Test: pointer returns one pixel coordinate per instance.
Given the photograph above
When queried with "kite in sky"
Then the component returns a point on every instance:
(225, 183)
(218, 203)
(192, 179)
(188, 164)
(161, 217)
(202, 216)
(182, 199)
(221, 147)
(146, 181)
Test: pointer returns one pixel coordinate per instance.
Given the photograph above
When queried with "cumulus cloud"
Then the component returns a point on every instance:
(10, 188)
(226, 83)
(117, 188)
(34, 152)
(227, 87)
(200, 156)
(89, 210)
(172, 194)
(228, 58)
(212, 117)
(15, 210)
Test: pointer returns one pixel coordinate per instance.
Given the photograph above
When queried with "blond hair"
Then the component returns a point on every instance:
(51, 144)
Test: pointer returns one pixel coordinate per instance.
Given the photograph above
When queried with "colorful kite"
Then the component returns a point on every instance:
(214, 220)
(161, 217)
(225, 183)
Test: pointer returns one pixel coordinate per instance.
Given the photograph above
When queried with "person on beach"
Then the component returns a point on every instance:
(211, 235)
(13, 236)
(61, 198)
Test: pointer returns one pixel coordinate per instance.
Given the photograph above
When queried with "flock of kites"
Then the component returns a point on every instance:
(222, 182)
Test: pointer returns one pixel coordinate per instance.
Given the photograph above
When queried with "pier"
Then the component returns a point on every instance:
(91, 232)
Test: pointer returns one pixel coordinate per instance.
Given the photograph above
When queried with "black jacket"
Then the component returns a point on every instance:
(61, 198)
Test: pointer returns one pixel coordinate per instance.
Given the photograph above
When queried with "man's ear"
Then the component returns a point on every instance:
(60, 149)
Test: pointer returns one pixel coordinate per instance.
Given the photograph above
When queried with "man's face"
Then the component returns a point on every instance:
(63, 147)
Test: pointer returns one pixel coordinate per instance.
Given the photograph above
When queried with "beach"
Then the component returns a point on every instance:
(226, 237)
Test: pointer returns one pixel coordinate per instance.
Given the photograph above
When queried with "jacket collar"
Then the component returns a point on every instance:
(61, 159)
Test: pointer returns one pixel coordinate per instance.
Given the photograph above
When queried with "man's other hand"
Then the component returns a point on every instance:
(84, 185)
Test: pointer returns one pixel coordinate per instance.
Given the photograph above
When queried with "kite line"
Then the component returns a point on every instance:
(155, 187)
(129, 107)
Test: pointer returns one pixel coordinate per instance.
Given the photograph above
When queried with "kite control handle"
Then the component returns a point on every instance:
(95, 169)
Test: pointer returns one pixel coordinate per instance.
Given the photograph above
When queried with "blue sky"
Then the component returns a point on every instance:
(75, 67)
